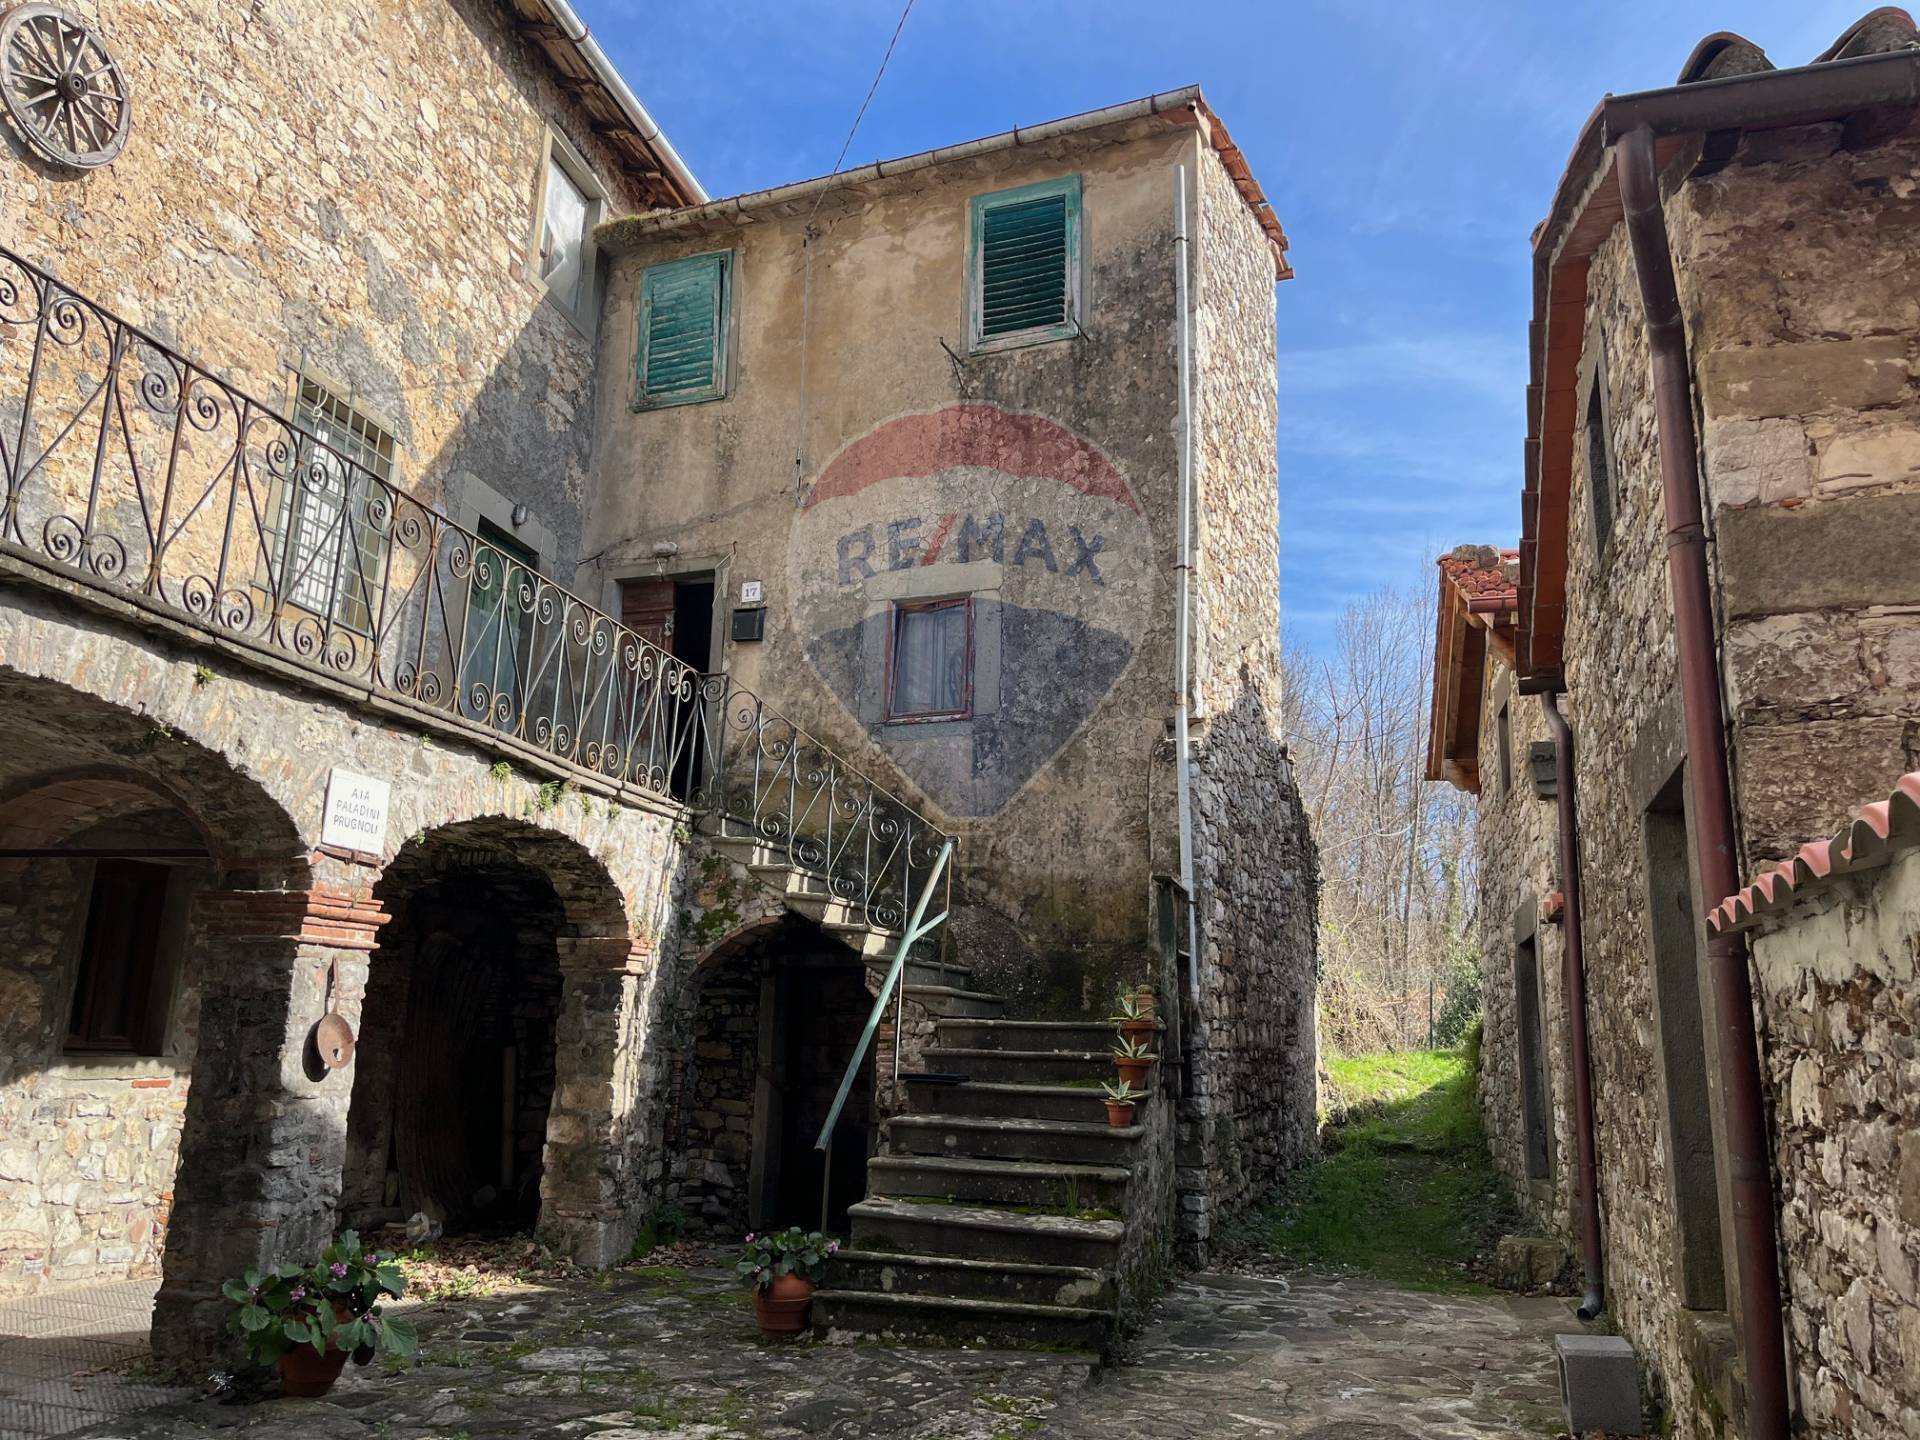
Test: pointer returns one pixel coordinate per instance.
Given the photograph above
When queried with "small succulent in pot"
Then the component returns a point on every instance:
(1132, 1059)
(1133, 1018)
(1121, 1098)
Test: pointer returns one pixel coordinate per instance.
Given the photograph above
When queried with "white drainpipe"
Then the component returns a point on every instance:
(1183, 578)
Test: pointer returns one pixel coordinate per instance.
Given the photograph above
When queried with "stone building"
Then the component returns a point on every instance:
(1712, 587)
(357, 869)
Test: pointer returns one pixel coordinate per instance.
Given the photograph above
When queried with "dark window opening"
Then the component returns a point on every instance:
(1503, 739)
(1534, 1105)
(1599, 464)
(113, 995)
(930, 661)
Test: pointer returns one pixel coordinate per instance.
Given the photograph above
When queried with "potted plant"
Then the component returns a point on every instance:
(1134, 1020)
(1121, 1098)
(782, 1267)
(1132, 1059)
(307, 1319)
(1147, 999)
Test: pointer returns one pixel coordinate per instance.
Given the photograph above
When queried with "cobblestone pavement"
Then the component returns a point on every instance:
(673, 1353)
(71, 1357)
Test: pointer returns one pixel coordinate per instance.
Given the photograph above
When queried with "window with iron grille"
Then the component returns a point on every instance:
(333, 536)
(683, 331)
(1023, 270)
(930, 661)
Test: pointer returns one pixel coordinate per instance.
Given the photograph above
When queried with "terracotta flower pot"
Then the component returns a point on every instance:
(1134, 1072)
(781, 1308)
(1119, 1113)
(305, 1374)
(1148, 1001)
(1139, 1030)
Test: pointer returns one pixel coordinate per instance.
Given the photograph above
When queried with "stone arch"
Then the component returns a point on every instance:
(762, 1023)
(179, 888)
(506, 985)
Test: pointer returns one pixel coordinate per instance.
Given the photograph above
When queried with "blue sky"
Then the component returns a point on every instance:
(1408, 148)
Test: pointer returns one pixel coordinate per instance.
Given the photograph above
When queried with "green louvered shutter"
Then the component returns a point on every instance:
(683, 331)
(1026, 262)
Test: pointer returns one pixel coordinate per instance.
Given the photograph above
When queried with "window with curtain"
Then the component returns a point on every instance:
(930, 661)
(563, 234)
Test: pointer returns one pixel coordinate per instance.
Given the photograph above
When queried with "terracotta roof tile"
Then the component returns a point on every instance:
(1876, 834)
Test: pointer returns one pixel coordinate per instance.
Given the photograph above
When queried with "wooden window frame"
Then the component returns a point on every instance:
(977, 210)
(558, 150)
(895, 613)
(722, 346)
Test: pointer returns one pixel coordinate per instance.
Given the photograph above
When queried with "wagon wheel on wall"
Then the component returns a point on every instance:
(62, 86)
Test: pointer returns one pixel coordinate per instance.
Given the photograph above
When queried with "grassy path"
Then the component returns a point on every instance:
(1405, 1190)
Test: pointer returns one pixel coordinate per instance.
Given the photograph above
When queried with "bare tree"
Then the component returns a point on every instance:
(1397, 937)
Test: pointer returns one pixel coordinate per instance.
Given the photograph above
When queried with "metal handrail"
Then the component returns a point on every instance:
(128, 468)
(917, 927)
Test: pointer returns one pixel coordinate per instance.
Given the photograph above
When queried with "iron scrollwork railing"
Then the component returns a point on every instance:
(126, 467)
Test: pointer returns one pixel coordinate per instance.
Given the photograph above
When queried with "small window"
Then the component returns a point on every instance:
(1503, 737)
(1599, 462)
(333, 534)
(930, 661)
(683, 331)
(113, 994)
(1024, 265)
(570, 206)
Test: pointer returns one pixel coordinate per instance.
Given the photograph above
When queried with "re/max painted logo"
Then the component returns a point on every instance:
(904, 543)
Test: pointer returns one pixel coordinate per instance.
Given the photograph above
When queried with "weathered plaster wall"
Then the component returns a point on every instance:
(352, 189)
(1838, 981)
(1518, 836)
(1249, 1119)
(930, 474)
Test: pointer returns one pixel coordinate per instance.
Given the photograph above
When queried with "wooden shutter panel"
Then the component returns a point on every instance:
(1023, 266)
(683, 331)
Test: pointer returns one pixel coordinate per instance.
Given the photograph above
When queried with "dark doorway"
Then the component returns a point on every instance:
(1535, 1107)
(455, 1072)
(1674, 923)
(675, 613)
(774, 1023)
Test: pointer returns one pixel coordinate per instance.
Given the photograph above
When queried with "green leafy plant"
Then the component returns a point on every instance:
(550, 794)
(334, 1301)
(1127, 1048)
(784, 1252)
(501, 770)
(1127, 1007)
(1122, 1090)
(201, 675)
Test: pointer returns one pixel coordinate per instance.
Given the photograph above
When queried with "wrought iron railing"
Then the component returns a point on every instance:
(129, 468)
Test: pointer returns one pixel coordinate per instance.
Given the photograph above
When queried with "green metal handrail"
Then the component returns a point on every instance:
(917, 927)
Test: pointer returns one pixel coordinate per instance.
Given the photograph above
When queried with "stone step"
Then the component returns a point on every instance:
(1012, 1137)
(929, 970)
(945, 1275)
(1023, 1067)
(958, 1320)
(1045, 1185)
(1024, 1102)
(1074, 1036)
(945, 1000)
(981, 1233)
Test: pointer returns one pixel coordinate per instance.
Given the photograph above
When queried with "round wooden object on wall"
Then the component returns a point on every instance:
(62, 86)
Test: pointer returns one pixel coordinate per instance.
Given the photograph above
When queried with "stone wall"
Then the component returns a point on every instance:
(1838, 981)
(347, 191)
(1519, 877)
(1250, 1116)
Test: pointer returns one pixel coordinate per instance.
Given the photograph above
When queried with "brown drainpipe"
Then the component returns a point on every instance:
(1756, 1244)
(1573, 980)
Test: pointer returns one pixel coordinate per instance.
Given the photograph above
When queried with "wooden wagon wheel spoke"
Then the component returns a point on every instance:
(62, 86)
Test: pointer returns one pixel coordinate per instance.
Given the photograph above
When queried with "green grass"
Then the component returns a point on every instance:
(1405, 1190)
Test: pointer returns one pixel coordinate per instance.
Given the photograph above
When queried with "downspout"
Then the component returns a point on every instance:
(1573, 980)
(1183, 582)
(1756, 1244)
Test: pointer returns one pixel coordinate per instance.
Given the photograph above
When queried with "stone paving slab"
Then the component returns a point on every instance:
(69, 1358)
(673, 1353)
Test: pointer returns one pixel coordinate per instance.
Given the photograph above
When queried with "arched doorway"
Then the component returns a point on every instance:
(770, 1019)
(456, 1065)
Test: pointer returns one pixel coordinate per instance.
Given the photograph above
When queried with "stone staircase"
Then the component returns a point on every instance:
(995, 1206)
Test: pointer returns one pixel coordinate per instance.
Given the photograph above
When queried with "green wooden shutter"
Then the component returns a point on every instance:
(1026, 262)
(683, 331)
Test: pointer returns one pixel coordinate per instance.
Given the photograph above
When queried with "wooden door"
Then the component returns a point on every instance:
(646, 606)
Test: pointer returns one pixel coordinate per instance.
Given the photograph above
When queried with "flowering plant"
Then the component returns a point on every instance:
(785, 1252)
(334, 1301)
